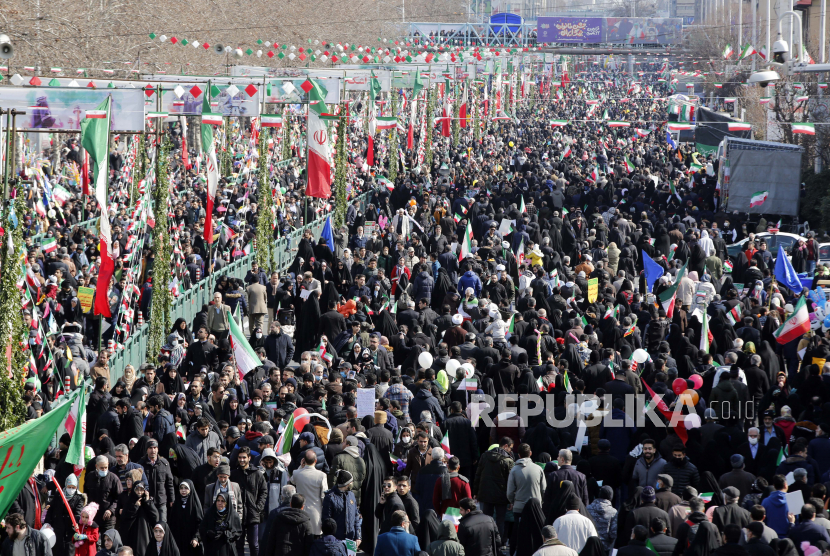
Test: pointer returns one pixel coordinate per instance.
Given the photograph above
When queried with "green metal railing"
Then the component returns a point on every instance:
(191, 301)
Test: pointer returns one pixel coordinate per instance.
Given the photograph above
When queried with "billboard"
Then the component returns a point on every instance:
(570, 29)
(65, 108)
(615, 30)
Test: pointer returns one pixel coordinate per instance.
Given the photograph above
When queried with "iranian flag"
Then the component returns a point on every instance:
(48, 245)
(209, 118)
(763, 53)
(747, 50)
(629, 167)
(566, 382)
(511, 326)
(246, 357)
(727, 51)
(734, 315)
(446, 117)
(669, 297)
(758, 198)
(541, 384)
(211, 165)
(675, 126)
(718, 85)
(520, 252)
(462, 110)
(680, 429)
(687, 112)
(729, 100)
(445, 444)
(466, 243)
(95, 140)
(706, 496)
(805, 128)
(75, 425)
(558, 123)
(764, 100)
(469, 384)
(642, 132)
(453, 515)
(386, 122)
(271, 121)
(612, 312)
(797, 324)
(704, 334)
(319, 150)
(617, 123)
(567, 152)
(739, 126)
(285, 442)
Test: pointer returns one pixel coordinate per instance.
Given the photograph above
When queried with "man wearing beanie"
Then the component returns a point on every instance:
(605, 517)
(227, 487)
(340, 505)
(643, 515)
(739, 477)
(381, 438)
(666, 499)
(731, 512)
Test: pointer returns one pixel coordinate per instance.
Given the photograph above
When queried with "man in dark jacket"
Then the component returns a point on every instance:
(159, 478)
(462, 438)
(381, 437)
(279, 347)
(162, 419)
(738, 477)
(34, 542)
(637, 545)
(807, 530)
(662, 543)
(425, 482)
(340, 505)
(566, 472)
(477, 533)
(388, 504)
(425, 401)
(409, 502)
(490, 484)
(291, 534)
(755, 544)
(731, 535)
(682, 471)
(731, 512)
(131, 425)
(665, 497)
(102, 486)
(254, 491)
(644, 515)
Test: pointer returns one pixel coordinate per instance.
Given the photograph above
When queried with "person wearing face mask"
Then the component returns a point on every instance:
(58, 516)
(279, 347)
(102, 486)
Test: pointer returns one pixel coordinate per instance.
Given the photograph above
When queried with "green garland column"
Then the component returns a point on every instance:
(456, 121)
(160, 310)
(393, 140)
(264, 231)
(341, 169)
(286, 134)
(13, 331)
(429, 127)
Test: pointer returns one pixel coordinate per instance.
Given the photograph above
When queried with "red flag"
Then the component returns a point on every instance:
(102, 303)
(370, 152)
(85, 173)
(680, 429)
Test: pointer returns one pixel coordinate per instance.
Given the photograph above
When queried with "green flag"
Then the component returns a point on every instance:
(23, 446)
(418, 85)
(374, 88)
(317, 97)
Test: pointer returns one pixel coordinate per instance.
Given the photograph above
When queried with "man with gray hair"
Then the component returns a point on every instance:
(123, 464)
(102, 486)
(566, 472)
(552, 546)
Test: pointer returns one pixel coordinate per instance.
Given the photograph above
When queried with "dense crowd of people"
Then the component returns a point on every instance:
(581, 263)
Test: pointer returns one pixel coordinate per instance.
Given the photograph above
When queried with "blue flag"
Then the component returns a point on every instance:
(785, 273)
(670, 141)
(327, 234)
(653, 270)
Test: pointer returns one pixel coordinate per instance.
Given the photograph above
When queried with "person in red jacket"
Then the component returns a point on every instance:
(451, 489)
(86, 538)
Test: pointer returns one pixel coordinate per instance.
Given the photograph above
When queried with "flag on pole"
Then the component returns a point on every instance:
(805, 128)
(748, 50)
(211, 166)
(668, 298)
(453, 515)
(727, 51)
(246, 357)
(466, 243)
(76, 422)
(704, 335)
(796, 325)
(95, 140)
(445, 443)
(680, 429)
(319, 150)
(286, 440)
(566, 382)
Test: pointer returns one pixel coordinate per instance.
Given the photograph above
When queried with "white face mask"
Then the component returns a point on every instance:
(259, 335)
(753, 441)
(71, 491)
(257, 403)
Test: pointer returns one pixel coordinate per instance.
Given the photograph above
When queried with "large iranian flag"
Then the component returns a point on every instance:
(466, 243)
(211, 166)
(797, 324)
(319, 150)
(75, 425)
(95, 140)
(246, 357)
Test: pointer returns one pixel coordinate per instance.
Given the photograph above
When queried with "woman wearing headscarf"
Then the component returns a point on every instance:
(220, 528)
(529, 529)
(172, 380)
(308, 336)
(429, 528)
(183, 460)
(138, 513)
(706, 541)
(593, 547)
(180, 328)
(342, 277)
(556, 505)
(633, 502)
(110, 544)
(185, 517)
(58, 517)
(163, 543)
(233, 410)
(769, 360)
(372, 486)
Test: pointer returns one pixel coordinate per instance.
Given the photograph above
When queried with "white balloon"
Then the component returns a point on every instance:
(425, 360)
(452, 366)
(692, 421)
(469, 370)
(640, 355)
(49, 533)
